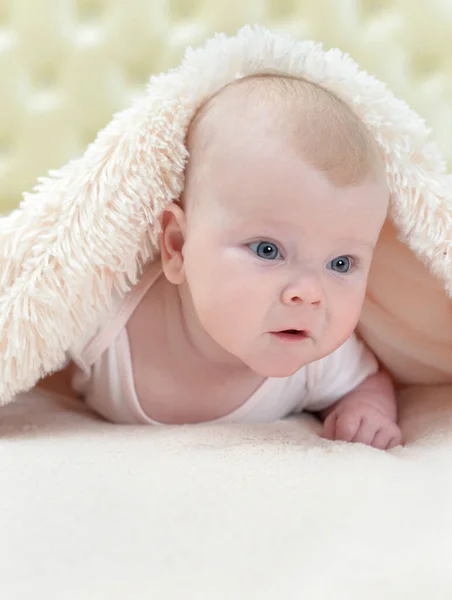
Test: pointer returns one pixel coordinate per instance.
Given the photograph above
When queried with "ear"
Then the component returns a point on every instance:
(172, 238)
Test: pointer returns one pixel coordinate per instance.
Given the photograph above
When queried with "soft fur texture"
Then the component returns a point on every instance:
(89, 227)
(89, 510)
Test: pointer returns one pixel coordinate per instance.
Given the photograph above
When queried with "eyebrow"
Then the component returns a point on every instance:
(267, 223)
(356, 242)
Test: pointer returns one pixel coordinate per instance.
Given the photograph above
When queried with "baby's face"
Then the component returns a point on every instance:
(276, 258)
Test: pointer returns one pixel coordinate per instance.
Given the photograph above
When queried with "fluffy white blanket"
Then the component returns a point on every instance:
(96, 511)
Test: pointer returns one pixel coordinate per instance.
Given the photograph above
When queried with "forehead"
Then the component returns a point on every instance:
(247, 165)
(322, 127)
(267, 178)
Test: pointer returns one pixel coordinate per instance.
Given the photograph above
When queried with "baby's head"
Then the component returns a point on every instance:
(284, 200)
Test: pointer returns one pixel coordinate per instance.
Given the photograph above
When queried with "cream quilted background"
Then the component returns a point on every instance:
(67, 65)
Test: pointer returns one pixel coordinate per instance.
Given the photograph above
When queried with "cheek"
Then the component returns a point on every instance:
(215, 291)
(226, 294)
(346, 307)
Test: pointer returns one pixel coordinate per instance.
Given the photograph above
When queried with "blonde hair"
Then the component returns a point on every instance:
(329, 135)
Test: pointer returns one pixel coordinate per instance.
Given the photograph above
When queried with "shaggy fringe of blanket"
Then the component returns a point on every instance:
(88, 228)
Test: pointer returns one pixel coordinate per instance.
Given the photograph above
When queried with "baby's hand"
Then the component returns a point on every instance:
(355, 421)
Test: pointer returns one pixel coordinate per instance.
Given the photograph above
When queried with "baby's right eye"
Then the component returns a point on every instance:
(265, 250)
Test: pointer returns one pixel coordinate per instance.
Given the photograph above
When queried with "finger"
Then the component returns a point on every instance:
(329, 427)
(365, 433)
(347, 426)
(381, 439)
(395, 440)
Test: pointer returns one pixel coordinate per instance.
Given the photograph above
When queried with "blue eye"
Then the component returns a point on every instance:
(265, 250)
(341, 264)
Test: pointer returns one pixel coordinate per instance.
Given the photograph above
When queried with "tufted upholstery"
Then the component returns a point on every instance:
(66, 66)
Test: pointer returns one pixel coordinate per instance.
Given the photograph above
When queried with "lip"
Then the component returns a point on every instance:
(285, 336)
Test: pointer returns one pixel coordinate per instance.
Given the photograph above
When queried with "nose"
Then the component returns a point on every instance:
(307, 289)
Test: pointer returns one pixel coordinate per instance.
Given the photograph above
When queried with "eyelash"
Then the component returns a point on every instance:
(354, 263)
(257, 243)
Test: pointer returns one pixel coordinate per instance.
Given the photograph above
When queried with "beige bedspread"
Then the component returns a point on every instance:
(93, 510)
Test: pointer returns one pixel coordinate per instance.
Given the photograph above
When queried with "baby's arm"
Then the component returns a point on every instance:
(367, 414)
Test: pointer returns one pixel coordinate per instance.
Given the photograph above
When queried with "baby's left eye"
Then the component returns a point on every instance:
(341, 264)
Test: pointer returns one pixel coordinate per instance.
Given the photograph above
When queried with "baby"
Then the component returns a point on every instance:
(249, 313)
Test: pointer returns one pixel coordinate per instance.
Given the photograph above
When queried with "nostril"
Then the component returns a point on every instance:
(298, 300)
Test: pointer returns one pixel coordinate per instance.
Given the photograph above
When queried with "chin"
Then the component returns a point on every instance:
(277, 370)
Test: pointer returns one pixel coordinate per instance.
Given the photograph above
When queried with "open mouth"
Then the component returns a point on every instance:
(291, 334)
